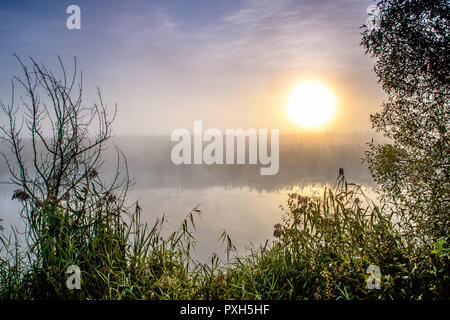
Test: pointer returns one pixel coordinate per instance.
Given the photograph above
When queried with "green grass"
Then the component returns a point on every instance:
(322, 250)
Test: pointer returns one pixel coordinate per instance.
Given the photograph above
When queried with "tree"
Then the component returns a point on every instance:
(52, 146)
(411, 48)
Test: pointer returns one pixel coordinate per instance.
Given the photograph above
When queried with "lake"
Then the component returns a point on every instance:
(235, 198)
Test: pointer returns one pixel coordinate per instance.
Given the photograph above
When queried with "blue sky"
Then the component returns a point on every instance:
(229, 63)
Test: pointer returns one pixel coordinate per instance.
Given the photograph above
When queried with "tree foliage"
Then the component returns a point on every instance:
(411, 48)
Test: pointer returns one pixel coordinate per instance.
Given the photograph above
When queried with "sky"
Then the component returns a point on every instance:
(229, 63)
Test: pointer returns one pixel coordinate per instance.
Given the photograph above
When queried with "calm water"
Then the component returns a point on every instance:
(247, 215)
(234, 198)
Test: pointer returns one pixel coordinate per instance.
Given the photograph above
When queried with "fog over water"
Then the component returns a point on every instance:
(235, 198)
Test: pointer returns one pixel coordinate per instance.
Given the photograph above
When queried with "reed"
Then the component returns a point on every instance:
(321, 250)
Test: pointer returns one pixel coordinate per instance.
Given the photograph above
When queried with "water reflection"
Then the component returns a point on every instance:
(248, 215)
(232, 197)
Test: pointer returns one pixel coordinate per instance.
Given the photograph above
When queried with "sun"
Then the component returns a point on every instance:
(311, 104)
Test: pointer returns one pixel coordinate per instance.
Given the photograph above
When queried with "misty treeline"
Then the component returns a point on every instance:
(301, 162)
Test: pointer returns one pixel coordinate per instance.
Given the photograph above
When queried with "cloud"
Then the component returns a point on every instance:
(166, 61)
(267, 33)
(283, 33)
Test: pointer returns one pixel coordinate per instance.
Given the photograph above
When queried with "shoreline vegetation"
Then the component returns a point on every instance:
(336, 246)
(322, 249)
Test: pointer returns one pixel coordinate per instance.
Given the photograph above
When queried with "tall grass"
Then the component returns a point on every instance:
(321, 250)
(326, 245)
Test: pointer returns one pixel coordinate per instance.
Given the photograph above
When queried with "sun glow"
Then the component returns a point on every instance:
(311, 104)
